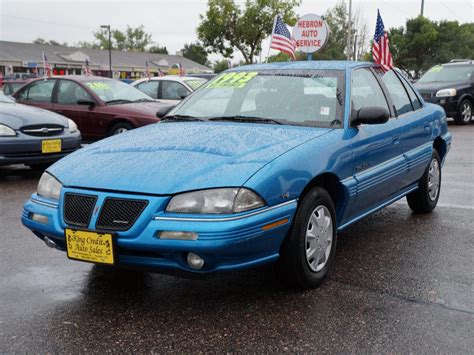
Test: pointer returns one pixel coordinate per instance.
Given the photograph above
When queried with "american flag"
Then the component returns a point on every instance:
(282, 39)
(46, 66)
(182, 72)
(87, 69)
(147, 69)
(380, 48)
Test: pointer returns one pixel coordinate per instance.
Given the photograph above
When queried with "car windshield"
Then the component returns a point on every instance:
(114, 91)
(309, 98)
(195, 83)
(441, 73)
(5, 99)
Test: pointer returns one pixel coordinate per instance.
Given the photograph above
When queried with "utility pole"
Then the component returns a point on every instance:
(422, 7)
(349, 31)
(110, 49)
(355, 47)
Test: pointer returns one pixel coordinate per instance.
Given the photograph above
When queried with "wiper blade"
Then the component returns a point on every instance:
(240, 118)
(181, 118)
(116, 101)
(144, 100)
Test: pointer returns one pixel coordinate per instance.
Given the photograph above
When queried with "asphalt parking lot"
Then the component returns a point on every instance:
(401, 283)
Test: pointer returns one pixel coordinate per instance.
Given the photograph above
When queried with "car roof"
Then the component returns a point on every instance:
(459, 64)
(305, 65)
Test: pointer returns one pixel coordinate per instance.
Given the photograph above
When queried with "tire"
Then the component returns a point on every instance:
(294, 267)
(464, 114)
(120, 128)
(425, 199)
(40, 167)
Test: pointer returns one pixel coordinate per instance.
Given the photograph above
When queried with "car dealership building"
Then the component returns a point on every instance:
(16, 57)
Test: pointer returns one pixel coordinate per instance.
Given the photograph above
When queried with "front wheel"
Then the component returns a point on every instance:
(464, 115)
(120, 128)
(425, 199)
(308, 251)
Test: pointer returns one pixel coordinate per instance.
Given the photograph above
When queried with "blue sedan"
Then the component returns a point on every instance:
(263, 164)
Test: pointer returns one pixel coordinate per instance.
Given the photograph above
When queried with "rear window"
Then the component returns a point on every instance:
(195, 83)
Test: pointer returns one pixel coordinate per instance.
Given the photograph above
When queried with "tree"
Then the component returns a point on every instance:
(157, 49)
(196, 52)
(227, 27)
(220, 66)
(133, 39)
(51, 42)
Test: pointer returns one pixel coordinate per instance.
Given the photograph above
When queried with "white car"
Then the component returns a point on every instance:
(168, 89)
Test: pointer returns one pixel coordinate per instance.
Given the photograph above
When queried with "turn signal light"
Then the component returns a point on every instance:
(177, 235)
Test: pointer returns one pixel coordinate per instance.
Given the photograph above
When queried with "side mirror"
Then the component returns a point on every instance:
(163, 110)
(370, 115)
(185, 95)
(86, 102)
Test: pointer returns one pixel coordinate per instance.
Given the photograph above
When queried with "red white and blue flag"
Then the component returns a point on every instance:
(147, 69)
(46, 66)
(87, 69)
(282, 39)
(380, 48)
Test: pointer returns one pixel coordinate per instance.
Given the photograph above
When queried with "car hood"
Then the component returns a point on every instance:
(436, 85)
(167, 158)
(147, 109)
(18, 115)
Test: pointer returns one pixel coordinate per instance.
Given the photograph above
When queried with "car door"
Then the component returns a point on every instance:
(66, 103)
(150, 88)
(416, 125)
(172, 92)
(39, 93)
(378, 163)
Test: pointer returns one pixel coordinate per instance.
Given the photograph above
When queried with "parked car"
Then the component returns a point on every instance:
(99, 106)
(10, 86)
(33, 136)
(168, 89)
(264, 164)
(450, 85)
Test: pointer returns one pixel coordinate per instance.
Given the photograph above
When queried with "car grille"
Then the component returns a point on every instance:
(426, 96)
(78, 209)
(43, 130)
(120, 214)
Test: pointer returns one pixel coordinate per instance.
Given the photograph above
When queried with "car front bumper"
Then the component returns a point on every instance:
(450, 104)
(226, 243)
(18, 150)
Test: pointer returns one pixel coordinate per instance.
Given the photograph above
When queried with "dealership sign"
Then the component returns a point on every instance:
(311, 33)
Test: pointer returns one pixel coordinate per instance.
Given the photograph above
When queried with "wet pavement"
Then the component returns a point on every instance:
(401, 283)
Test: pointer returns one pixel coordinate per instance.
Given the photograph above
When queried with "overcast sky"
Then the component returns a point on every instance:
(173, 23)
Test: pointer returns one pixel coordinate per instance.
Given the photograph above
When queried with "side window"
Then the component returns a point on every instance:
(39, 91)
(397, 92)
(70, 92)
(171, 90)
(150, 88)
(411, 93)
(366, 90)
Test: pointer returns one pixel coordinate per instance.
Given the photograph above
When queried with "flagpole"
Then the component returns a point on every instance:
(271, 38)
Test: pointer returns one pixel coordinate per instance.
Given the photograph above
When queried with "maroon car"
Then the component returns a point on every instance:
(99, 106)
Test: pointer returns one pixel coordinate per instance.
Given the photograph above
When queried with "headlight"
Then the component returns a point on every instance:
(215, 201)
(49, 187)
(6, 131)
(72, 126)
(446, 93)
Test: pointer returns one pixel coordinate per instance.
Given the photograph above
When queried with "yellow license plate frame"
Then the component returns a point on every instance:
(51, 146)
(90, 246)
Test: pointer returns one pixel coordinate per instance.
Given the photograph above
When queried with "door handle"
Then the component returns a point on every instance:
(396, 140)
(427, 128)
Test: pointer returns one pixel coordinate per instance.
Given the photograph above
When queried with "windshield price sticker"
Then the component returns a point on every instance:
(436, 69)
(98, 86)
(236, 80)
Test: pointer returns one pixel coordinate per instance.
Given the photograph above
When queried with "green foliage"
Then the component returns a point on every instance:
(220, 66)
(51, 42)
(133, 39)
(227, 27)
(196, 52)
(157, 49)
(422, 43)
